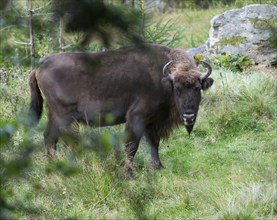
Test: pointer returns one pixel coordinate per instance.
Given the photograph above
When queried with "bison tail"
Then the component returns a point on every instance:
(36, 103)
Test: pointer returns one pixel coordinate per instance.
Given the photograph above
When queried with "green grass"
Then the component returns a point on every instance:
(192, 24)
(225, 170)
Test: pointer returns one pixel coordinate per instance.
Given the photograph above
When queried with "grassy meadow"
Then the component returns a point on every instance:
(192, 25)
(225, 170)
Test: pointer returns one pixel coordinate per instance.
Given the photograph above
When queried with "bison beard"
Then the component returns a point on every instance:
(189, 128)
(150, 88)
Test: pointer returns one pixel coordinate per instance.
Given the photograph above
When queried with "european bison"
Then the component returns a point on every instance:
(150, 88)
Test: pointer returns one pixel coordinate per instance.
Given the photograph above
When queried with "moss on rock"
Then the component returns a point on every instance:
(231, 40)
(262, 24)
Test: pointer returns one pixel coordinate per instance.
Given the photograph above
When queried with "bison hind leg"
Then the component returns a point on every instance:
(56, 127)
(51, 137)
(134, 129)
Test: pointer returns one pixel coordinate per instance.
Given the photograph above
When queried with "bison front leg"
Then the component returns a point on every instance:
(134, 131)
(131, 148)
(71, 137)
(154, 141)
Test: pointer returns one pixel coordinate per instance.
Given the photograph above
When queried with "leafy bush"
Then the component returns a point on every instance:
(233, 62)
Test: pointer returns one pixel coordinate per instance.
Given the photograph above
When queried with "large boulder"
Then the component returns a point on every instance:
(248, 31)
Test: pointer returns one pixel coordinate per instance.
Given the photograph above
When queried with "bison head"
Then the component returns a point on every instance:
(185, 84)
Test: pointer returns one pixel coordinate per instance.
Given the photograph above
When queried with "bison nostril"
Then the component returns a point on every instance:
(188, 118)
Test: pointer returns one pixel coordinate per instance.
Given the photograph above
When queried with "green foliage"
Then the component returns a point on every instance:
(13, 90)
(168, 33)
(234, 62)
(198, 57)
(14, 33)
(12, 168)
(98, 19)
(94, 19)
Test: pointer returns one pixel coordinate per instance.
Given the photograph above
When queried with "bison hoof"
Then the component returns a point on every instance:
(128, 173)
(51, 153)
(157, 165)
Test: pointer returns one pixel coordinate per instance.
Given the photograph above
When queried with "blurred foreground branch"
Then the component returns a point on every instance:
(95, 19)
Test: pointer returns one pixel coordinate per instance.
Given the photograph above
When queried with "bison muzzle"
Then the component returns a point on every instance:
(150, 88)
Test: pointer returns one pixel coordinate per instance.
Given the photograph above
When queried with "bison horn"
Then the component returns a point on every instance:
(166, 66)
(209, 71)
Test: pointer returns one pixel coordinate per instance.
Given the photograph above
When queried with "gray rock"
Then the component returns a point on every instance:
(197, 50)
(247, 31)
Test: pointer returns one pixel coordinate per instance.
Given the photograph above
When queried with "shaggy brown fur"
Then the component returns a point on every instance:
(127, 83)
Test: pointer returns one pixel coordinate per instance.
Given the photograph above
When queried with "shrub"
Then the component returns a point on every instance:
(233, 62)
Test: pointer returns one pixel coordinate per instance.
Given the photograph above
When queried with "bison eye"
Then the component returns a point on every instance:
(198, 87)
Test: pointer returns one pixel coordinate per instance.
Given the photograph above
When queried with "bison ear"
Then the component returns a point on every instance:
(207, 83)
(167, 84)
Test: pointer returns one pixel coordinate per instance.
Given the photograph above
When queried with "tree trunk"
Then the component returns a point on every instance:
(32, 46)
(61, 43)
(142, 9)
